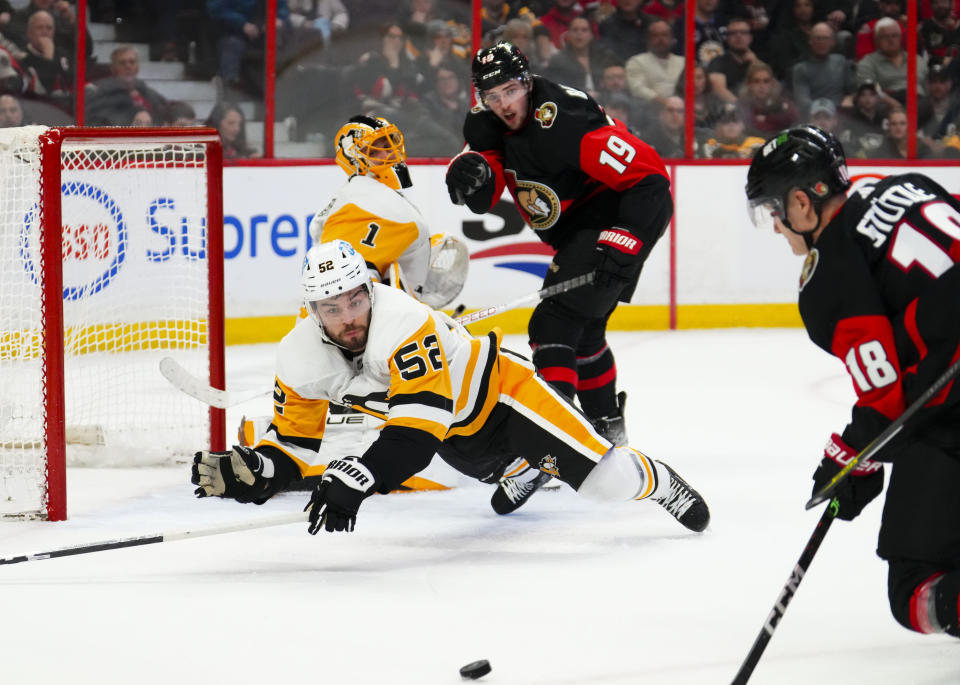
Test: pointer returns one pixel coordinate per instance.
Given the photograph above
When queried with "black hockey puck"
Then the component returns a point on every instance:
(476, 669)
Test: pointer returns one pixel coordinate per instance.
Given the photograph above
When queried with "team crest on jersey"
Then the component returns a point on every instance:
(546, 114)
(809, 266)
(539, 203)
(549, 465)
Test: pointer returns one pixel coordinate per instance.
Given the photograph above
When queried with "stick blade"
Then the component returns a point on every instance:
(183, 381)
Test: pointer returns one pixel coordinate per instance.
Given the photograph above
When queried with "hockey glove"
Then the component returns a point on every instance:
(467, 174)
(858, 489)
(335, 501)
(241, 474)
(617, 250)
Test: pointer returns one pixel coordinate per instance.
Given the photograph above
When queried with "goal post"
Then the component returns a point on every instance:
(111, 257)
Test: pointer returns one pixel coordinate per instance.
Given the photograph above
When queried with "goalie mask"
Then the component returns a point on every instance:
(372, 146)
(449, 263)
(330, 271)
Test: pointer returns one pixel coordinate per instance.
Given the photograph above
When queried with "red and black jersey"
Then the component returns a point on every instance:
(570, 166)
(881, 292)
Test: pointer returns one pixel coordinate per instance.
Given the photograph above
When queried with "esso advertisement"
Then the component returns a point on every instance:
(267, 212)
(129, 242)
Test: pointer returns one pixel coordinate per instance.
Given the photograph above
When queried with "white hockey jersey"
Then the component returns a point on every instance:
(417, 371)
(381, 224)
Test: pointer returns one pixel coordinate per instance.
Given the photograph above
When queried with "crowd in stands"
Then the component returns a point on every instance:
(760, 66)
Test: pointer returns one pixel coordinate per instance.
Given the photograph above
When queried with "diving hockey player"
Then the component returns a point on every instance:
(438, 390)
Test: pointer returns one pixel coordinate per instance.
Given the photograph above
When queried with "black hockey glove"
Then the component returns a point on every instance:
(618, 249)
(336, 500)
(241, 474)
(859, 488)
(467, 174)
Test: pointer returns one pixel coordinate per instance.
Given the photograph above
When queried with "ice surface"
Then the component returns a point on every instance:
(561, 592)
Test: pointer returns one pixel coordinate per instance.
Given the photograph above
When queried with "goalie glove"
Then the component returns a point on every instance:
(617, 250)
(336, 499)
(859, 488)
(242, 474)
(467, 173)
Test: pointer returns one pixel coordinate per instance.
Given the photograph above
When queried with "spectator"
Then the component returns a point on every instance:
(11, 113)
(543, 46)
(50, 63)
(440, 49)
(861, 125)
(114, 100)
(142, 118)
(12, 78)
(707, 104)
(388, 77)
(671, 10)
(823, 115)
(313, 25)
(622, 33)
(866, 36)
(620, 107)
(939, 34)
(448, 102)
(666, 135)
(790, 42)
(557, 19)
(613, 81)
(519, 32)
(64, 16)
(710, 28)
(581, 61)
(766, 110)
(939, 111)
(329, 17)
(180, 114)
(887, 65)
(894, 144)
(728, 71)
(652, 75)
(728, 140)
(239, 28)
(495, 13)
(824, 73)
(6, 14)
(230, 121)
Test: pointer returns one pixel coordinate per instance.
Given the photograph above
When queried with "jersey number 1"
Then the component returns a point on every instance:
(912, 248)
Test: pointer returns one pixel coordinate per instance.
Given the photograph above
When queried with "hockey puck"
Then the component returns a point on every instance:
(476, 669)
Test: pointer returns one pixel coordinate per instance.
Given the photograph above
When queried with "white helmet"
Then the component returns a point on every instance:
(331, 269)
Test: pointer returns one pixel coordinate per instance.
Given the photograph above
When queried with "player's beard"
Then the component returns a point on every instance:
(352, 343)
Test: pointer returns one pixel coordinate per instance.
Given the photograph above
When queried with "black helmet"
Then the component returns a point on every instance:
(498, 64)
(803, 157)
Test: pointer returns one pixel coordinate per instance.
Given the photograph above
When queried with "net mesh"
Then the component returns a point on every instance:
(135, 289)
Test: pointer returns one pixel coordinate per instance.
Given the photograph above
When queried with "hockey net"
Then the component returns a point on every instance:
(111, 257)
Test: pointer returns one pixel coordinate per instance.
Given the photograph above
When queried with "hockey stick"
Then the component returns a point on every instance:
(189, 384)
(786, 594)
(886, 436)
(158, 537)
(532, 298)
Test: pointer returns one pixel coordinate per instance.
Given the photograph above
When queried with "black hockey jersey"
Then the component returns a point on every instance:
(880, 290)
(568, 166)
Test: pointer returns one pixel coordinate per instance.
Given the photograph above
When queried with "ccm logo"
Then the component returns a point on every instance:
(621, 240)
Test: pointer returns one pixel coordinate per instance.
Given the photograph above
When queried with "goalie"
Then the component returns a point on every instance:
(437, 389)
